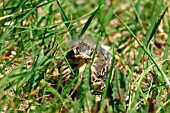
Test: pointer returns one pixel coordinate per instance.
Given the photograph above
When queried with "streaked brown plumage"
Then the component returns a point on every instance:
(82, 54)
(100, 69)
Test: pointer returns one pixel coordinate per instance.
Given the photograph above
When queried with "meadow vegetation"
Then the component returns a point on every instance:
(34, 36)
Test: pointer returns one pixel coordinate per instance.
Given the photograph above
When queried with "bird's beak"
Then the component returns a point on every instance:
(87, 57)
(82, 56)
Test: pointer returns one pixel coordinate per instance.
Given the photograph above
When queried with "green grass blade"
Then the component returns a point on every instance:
(166, 52)
(63, 15)
(65, 19)
(147, 37)
(6, 33)
(156, 26)
(88, 22)
(53, 91)
(145, 50)
(137, 12)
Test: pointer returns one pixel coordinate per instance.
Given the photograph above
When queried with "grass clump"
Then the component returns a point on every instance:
(34, 38)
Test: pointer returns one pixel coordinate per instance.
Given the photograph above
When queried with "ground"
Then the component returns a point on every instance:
(35, 37)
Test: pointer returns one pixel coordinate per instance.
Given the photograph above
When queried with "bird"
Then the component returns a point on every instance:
(81, 55)
(78, 57)
(100, 69)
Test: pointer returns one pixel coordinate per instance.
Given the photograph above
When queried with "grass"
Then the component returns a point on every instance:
(34, 38)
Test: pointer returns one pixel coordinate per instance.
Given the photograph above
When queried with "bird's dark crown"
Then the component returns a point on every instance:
(82, 50)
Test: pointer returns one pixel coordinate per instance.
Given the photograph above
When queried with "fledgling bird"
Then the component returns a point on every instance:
(79, 56)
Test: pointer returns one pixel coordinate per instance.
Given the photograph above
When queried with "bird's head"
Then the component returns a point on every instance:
(83, 51)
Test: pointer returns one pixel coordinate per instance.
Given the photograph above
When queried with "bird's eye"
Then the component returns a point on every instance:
(77, 51)
(91, 53)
